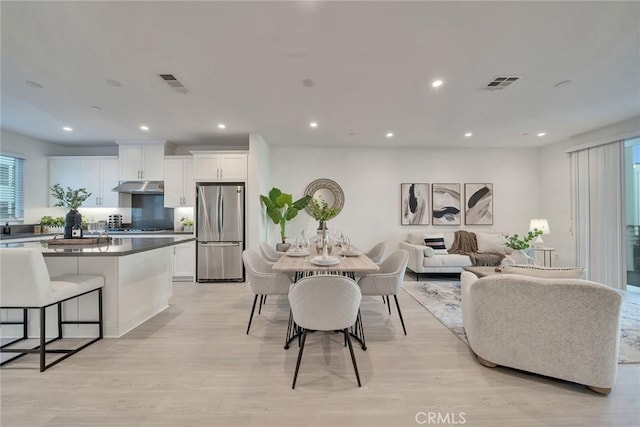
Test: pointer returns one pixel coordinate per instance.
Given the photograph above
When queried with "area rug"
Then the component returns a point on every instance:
(442, 299)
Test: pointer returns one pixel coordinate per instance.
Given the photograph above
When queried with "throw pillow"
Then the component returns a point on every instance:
(545, 272)
(436, 242)
(490, 243)
(428, 251)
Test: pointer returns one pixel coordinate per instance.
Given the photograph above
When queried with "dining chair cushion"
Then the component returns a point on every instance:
(261, 277)
(388, 280)
(325, 302)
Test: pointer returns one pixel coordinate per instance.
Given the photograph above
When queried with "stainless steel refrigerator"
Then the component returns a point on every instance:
(220, 232)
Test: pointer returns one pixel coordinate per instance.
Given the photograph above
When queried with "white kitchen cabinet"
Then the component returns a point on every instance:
(97, 174)
(99, 178)
(184, 262)
(214, 166)
(179, 188)
(141, 162)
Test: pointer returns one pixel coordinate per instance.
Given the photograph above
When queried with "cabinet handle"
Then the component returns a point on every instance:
(141, 174)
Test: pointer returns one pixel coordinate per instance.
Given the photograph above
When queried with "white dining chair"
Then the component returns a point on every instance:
(269, 253)
(377, 253)
(262, 279)
(25, 286)
(388, 280)
(325, 303)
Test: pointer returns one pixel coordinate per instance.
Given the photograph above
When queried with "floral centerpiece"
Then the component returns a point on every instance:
(71, 199)
(321, 211)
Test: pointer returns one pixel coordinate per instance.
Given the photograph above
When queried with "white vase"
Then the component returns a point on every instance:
(520, 257)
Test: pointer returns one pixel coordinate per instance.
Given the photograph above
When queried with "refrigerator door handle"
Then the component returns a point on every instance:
(220, 211)
(219, 245)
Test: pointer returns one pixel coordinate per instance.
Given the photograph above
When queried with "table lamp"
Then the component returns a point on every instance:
(540, 224)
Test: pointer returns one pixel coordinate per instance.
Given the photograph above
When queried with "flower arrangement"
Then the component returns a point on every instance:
(514, 241)
(71, 199)
(320, 210)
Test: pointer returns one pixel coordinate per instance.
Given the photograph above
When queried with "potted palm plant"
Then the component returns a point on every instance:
(281, 208)
(71, 199)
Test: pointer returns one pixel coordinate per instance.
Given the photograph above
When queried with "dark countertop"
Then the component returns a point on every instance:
(15, 236)
(119, 246)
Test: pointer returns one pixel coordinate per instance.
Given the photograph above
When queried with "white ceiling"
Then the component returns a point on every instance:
(372, 63)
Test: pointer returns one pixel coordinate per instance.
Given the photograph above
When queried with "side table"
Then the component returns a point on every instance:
(545, 251)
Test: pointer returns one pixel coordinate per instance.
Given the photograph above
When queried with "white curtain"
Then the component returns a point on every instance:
(597, 178)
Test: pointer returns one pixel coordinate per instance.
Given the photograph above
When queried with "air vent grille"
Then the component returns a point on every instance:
(500, 82)
(174, 83)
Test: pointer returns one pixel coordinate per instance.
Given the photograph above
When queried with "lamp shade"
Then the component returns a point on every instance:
(540, 224)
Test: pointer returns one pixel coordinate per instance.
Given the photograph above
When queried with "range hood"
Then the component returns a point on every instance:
(140, 187)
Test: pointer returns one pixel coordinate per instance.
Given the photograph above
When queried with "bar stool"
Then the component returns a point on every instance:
(25, 285)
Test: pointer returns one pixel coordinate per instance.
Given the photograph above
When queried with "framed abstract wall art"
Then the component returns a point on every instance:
(414, 204)
(478, 204)
(445, 200)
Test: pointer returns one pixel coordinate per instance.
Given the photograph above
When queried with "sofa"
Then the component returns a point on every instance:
(558, 327)
(424, 259)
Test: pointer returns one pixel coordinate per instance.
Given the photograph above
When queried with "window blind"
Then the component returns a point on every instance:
(11, 188)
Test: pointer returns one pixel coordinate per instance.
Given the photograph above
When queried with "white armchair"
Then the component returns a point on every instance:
(561, 328)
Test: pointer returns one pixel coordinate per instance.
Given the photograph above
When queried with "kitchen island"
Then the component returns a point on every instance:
(137, 275)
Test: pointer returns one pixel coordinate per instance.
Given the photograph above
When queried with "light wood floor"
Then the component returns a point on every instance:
(193, 365)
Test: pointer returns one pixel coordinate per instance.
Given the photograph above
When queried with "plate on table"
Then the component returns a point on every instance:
(349, 252)
(297, 253)
(328, 261)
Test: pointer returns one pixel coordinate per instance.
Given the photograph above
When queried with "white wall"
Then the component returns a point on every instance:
(35, 152)
(257, 183)
(371, 178)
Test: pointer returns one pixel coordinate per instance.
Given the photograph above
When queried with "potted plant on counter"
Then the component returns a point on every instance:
(187, 224)
(281, 208)
(71, 199)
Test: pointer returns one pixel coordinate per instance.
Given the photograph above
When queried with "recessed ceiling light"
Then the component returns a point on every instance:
(541, 133)
(222, 126)
(313, 124)
(33, 84)
(144, 127)
(436, 83)
(468, 135)
(67, 128)
(389, 134)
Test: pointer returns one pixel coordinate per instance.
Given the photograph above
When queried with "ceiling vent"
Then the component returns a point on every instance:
(500, 82)
(171, 80)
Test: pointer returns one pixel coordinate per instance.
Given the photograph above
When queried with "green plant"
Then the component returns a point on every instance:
(320, 210)
(281, 208)
(71, 199)
(58, 221)
(47, 220)
(187, 222)
(514, 241)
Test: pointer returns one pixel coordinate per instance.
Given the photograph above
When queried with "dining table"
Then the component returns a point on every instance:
(302, 263)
